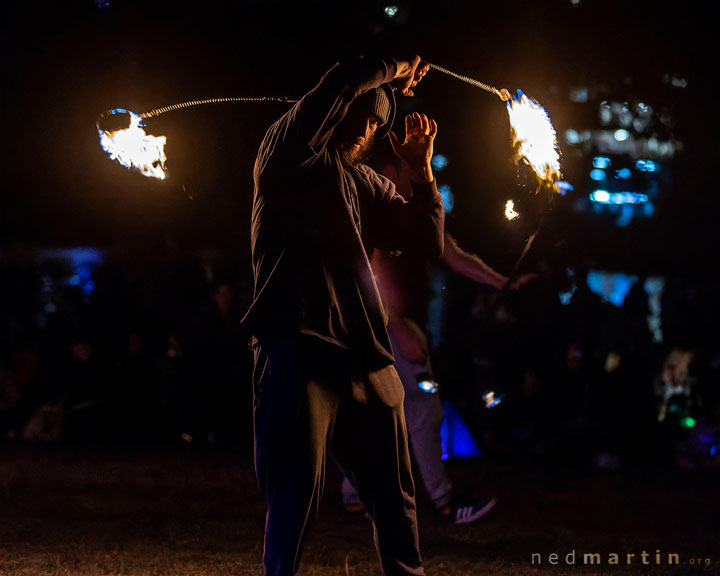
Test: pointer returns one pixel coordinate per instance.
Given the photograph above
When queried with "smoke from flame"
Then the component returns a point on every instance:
(135, 149)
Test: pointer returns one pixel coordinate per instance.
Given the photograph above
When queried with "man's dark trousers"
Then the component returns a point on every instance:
(311, 397)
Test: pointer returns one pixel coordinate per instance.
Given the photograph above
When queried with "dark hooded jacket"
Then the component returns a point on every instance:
(316, 222)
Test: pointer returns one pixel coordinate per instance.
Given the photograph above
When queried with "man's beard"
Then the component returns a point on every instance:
(352, 156)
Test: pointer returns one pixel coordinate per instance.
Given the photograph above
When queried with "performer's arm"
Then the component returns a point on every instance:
(415, 225)
(323, 108)
(470, 265)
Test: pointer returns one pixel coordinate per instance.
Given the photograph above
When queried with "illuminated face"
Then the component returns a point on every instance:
(355, 137)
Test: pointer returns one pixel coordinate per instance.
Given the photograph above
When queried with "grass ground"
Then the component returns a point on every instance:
(72, 511)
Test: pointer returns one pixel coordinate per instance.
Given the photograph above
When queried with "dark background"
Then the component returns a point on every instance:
(66, 62)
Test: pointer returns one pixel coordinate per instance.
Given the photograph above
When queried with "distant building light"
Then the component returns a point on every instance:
(625, 117)
(574, 137)
(623, 173)
(618, 198)
(439, 162)
(601, 162)
(640, 124)
(579, 95)
(678, 82)
(597, 174)
(390, 11)
(666, 149)
(646, 166)
(626, 215)
(612, 287)
(605, 113)
(88, 288)
(621, 135)
(602, 196)
(448, 199)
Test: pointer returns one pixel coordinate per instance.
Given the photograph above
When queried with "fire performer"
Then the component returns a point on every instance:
(324, 379)
(403, 283)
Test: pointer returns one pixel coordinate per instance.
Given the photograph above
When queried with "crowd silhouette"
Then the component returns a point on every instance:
(153, 353)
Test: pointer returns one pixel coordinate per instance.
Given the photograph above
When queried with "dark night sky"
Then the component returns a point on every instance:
(68, 61)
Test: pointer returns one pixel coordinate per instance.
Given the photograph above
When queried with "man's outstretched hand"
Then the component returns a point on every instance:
(409, 73)
(417, 149)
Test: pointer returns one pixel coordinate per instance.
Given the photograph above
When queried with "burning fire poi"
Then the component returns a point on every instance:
(534, 137)
(133, 148)
(510, 212)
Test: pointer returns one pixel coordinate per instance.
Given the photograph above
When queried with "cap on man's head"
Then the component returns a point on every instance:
(379, 102)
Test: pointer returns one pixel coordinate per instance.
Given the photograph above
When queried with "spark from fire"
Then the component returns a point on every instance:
(134, 148)
(510, 212)
(534, 137)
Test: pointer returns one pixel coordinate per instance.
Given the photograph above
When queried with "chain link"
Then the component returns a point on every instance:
(181, 105)
(503, 94)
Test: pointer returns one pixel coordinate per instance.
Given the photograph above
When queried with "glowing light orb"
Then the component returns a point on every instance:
(134, 148)
(534, 137)
(510, 212)
(390, 11)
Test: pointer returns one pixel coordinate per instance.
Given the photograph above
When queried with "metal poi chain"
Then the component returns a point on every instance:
(502, 94)
(158, 111)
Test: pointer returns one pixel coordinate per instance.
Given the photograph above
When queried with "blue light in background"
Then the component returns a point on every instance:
(646, 166)
(605, 197)
(621, 135)
(613, 287)
(88, 288)
(623, 173)
(572, 136)
(562, 187)
(626, 215)
(602, 196)
(597, 174)
(439, 162)
(82, 260)
(455, 438)
(601, 162)
(565, 297)
(580, 94)
(390, 11)
(448, 199)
